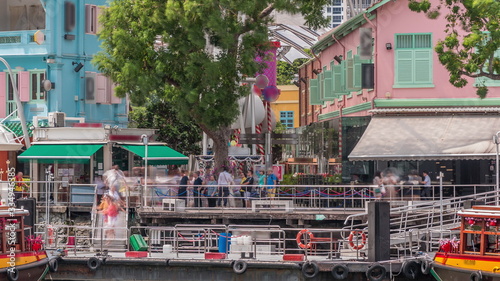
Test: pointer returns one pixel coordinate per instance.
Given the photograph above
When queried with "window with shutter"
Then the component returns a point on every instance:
(487, 81)
(328, 93)
(321, 85)
(90, 19)
(24, 86)
(286, 118)
(314, 92)
(413, 61)
(102, 93)
(37, 91)
(11, 103)
(90, 88)
(357, 72)
(349, 73)
(339, 80)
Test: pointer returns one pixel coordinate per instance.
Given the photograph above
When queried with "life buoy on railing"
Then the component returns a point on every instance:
(376, 273)
(351, 238)
(12, 274)
(299, 239)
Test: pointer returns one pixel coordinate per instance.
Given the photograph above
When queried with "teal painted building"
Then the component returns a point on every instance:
(62, 56)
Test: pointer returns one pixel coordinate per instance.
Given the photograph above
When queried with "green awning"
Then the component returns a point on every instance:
(67, 153)
(158, 154)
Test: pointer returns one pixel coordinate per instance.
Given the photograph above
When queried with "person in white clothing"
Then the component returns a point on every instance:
(225, 179)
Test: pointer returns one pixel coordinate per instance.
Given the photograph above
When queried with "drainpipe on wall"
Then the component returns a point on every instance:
(343, 47)
(374, 59)
(320, 64)
(341, 106)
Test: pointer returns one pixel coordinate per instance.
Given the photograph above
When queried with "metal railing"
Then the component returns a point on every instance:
(433, 220)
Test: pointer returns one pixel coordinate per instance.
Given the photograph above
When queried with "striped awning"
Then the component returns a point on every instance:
(428, 138)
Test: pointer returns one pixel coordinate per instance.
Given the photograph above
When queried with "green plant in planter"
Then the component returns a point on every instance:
(289, 179)
(333, 179)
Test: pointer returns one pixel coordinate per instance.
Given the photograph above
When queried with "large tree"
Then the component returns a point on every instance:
(193, 52)
(472, 38)
(183, 136)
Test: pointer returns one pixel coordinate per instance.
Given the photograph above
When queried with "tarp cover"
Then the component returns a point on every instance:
(428, 138)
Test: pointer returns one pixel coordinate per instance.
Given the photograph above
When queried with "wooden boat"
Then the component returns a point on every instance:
(21, 255)
(476, 256)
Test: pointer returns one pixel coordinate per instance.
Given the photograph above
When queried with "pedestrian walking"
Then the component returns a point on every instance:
(225, 180)
(426, 188)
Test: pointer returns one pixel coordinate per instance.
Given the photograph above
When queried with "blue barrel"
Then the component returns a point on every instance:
(224, 238)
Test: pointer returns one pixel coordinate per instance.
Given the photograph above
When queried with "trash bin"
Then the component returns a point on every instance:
(224, 242)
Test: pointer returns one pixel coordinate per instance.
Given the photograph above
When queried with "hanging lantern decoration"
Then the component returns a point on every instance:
(471, 221)
(261, 81)
(271, 93)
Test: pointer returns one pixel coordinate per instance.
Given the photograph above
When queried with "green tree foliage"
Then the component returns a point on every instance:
(287, 71)
(192, 53)
(472, 38)
(158, 114)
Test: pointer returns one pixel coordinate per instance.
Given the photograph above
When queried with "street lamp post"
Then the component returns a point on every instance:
(145, 142)
(497, 187)
(20, 111)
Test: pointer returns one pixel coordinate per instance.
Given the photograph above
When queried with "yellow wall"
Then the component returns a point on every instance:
(288, 101)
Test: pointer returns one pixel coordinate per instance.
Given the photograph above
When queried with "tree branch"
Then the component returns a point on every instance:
(264, 13)
(480, 74)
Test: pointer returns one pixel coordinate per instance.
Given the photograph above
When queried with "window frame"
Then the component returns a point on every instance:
(415, 56)
(285, 120)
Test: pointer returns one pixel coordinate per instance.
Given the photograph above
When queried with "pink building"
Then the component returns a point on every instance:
(412, 118)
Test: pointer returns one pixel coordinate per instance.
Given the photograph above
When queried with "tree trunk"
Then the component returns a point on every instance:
(220, 138)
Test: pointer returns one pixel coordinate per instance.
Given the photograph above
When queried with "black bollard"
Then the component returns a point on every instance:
(378, 231)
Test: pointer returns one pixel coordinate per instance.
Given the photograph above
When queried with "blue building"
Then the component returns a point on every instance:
(49, 44)
(60, 52)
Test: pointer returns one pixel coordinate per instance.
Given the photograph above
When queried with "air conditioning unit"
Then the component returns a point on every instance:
(56, 119)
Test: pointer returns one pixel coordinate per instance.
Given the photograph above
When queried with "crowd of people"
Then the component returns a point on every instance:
(206, 188)
(388, 185)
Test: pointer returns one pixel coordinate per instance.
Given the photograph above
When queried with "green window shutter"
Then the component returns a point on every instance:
(328, 86)
(404, 67)
(349, 74)
(321, 85)
(314, 92)
(338, 80)
(332, 64)
(413, 60)
(423, 66)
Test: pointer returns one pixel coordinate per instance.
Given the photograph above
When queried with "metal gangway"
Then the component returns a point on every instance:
(421, 225)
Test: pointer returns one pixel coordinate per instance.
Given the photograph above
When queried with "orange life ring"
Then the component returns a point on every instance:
(351, 238)
(299, 239)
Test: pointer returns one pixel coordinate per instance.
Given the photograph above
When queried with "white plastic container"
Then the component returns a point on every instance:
(167, 248)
